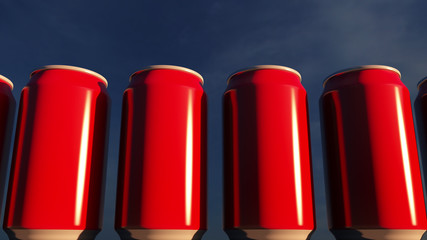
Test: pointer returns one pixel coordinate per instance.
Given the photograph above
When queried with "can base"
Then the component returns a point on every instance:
(160, 234)
(378, 234)
(268, 234)
(48, 234)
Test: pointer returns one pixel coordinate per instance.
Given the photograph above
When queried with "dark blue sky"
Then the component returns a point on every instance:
(215, 38)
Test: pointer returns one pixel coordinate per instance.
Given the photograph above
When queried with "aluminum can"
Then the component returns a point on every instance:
(421, 118)
(373, 178)
(7, 112)
(161, 191)
(268, 186)
(57, 174)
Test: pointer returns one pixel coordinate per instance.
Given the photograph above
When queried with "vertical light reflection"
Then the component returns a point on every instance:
(342, 158)
(235, 158)
(405, 156)
(189, 161)
(81, 175)
(297, 163)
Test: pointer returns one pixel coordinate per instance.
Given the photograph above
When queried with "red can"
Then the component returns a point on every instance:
(56, 181)
(162, 168)
(267, 159)
(7, 112)
(372, 171)
(421, 117)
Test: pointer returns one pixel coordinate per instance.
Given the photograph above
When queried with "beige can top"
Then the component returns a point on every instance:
(172, 67)
(363, 67)
(79, 69)
(6, 80)
(421, 82)
(260, 67)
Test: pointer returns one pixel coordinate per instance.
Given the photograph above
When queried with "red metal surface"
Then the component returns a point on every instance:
(371, 161)
(60, 144)
(162, 168)
(7, 112)
(421, 113)
(7, 109)
(267, 165)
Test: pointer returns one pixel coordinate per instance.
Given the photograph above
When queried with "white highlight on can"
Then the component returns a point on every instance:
(297, 159)
(81, 175)
(405, 156)
(189, 161)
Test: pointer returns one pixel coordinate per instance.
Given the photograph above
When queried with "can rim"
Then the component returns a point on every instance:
(172, 67)
(421, 82)
(67, 67)
(7, 80)
(361, 67)
(259, 67)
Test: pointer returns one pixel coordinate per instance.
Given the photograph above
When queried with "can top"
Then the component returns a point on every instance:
(66, 67)
(172, 67)
(362, 67)
(7, 81)
(259, 67)
(421, 82)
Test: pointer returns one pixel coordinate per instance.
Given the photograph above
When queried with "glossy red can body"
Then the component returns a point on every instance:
(421, 117)
(57, 173)
(371, 160)
(7, 111)
(267, 159)
(162, 166)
